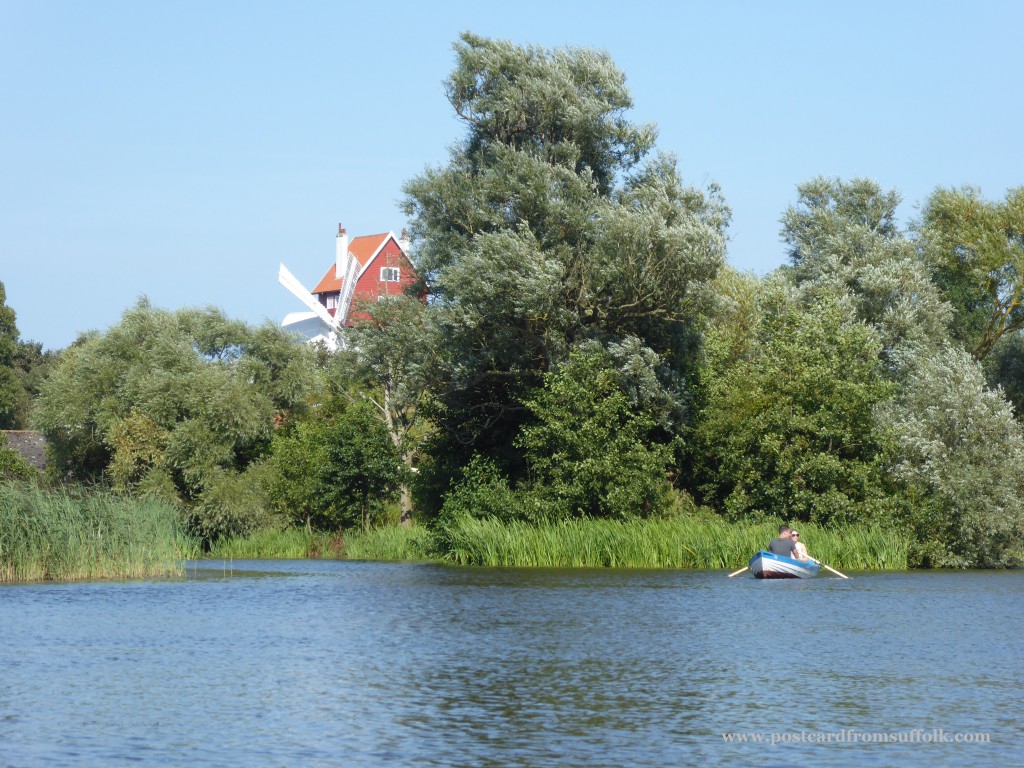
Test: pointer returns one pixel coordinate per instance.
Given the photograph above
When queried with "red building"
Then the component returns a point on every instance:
(367, 268)
(382, 269)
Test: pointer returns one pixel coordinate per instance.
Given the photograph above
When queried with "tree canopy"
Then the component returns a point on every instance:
(176, 403)
(789, 429)
(976, 249)
(10, 387)
(552, 224)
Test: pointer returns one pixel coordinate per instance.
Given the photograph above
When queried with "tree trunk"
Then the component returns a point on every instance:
(405, 505)
(405, 492)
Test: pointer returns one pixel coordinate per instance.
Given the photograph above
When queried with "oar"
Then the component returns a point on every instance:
(737, 573)
(827, 568)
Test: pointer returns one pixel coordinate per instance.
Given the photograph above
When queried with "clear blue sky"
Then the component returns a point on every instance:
(181, 150)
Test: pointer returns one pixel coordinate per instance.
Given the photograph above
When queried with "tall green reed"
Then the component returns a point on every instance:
(273, 543)
(690, 542)
(384, 543)
(388, 543)
(67, 535)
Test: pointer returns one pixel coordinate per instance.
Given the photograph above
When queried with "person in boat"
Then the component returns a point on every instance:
(783, 545)
(799, 550)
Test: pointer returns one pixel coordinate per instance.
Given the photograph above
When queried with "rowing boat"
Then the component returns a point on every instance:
(765, 565)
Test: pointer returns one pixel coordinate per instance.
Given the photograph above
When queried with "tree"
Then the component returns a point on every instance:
(789, 428)
(826, 208)
(590, 450)
(11, 390)
(976, 249)
(363, 469)
(176, 403)
(960, 452)
(391, 356)
(32, 365)
(845, 247)
(1004, 369)
(549, 226)
(336, 469)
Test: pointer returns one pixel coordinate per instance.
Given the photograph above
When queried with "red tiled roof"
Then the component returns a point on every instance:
(362, 248)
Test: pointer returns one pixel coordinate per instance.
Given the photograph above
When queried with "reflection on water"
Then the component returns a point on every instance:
(344, 663)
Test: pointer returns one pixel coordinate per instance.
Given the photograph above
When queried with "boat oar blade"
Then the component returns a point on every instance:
(737, 573)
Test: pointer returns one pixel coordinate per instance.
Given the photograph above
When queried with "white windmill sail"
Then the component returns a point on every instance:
(348, 286)
(289, 281)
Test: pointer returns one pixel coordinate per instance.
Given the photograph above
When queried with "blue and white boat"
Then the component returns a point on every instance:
(765, 565)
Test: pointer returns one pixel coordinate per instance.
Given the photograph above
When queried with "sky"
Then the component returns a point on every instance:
(182, 150)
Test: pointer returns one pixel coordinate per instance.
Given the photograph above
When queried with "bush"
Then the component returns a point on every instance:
(335, 471)
(590, 451)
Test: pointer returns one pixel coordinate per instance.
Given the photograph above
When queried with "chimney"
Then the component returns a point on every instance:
(403, 241)
(341, 257)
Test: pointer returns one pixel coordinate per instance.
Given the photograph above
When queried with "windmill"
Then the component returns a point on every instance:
(317, 325)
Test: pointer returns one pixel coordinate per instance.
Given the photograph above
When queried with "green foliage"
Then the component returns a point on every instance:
(825, 211)
(31, 365)
(294, 490)
(408, 543)
(11, 390)
(337, 470)
(960, 451)
(483, 491)
(276, 543)
(732, 328)
(590, 452)
(176, 404)
(389, 543)
(976, 248)
(1004, 369)
(67, 535)
(232, 502)
(391, 356)
(845, 248)
(363, 469)
(550, 225)
(789, 430)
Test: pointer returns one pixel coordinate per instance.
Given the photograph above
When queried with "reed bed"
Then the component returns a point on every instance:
(65, 536)
(385, 543)
(388, 543)
(699, 543)
(689, 542)
(273, 544)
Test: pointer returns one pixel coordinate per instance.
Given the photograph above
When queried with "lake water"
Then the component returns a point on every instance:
(324, 663)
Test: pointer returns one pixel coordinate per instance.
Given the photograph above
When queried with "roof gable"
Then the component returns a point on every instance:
(365, 249)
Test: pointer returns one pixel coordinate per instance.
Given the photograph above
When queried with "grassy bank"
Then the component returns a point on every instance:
(705, 543)
(64, 536)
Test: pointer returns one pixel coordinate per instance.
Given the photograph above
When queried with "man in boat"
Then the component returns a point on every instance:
(783, 545)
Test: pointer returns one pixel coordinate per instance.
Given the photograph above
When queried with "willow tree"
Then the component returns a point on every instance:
(976, 248)
(178, 404)
(960, 452)
(554, 222)
(845, 246)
